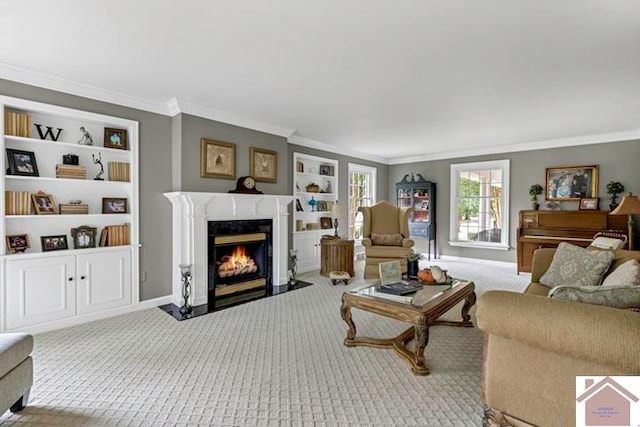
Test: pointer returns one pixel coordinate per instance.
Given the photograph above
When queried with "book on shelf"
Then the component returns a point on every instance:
(116, 235)
(71, 172)
(73, 209)
(17, 203)
(17, 124)
(118, 171)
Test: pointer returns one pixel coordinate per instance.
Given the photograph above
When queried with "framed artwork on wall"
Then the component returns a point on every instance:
(572, 183)
(217, 159)
(264, 164)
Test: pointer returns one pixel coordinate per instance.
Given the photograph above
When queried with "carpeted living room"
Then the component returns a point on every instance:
(348, 213)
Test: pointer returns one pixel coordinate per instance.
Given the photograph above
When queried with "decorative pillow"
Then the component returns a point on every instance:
(576, 266)
(606, 243)
(386, 239)
(615, 296)
(628, 274)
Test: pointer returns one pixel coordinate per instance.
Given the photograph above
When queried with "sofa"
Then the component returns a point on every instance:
(385, 236)
(16, 371)
(535, 346)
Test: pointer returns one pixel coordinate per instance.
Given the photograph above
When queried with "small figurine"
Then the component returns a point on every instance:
(86, 137)
(329, 188)
(98, 162)
(313, 203)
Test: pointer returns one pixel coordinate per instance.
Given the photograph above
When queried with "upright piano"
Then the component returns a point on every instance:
(546, 229)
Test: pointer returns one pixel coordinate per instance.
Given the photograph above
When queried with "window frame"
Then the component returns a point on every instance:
(372, 171)
(504, 165)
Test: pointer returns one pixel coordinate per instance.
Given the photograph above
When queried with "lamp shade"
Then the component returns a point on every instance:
(337, 210)
(630, 205)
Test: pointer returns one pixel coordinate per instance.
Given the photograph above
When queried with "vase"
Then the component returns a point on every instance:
(412, 269)
(612, 206)
(535, 206)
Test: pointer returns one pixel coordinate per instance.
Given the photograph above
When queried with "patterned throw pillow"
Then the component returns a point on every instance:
(628, 274)
(576, 266)
(614, 296)
(386, 239)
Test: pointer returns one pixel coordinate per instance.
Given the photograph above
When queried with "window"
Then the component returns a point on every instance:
(362, 192)
(480, 205)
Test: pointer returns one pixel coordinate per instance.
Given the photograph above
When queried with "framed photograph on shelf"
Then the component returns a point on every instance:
(22, 162)
(264, 164)
(572, 183)
(43, 204)
(17, 243)
(116, 138)
(321, 206)
(217, 159)
(590, 204)
(84, 237)
(325, 222)
(115, 205)
(54, 243)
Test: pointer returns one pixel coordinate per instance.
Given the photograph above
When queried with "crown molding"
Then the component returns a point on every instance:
(35, 78)
(311, 143)
(628, 135)
(176, 106)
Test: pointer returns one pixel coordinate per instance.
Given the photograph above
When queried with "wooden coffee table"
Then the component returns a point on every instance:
(427, 306)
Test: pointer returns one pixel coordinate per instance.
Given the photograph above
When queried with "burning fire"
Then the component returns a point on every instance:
(237, 263)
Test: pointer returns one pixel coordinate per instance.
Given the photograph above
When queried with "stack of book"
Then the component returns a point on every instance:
(17, 203)
(118, 171)
(71, 171)
(69, 209)
(116, 235)
(17, 124)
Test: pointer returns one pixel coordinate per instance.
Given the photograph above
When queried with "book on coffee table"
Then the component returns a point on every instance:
(400, 288)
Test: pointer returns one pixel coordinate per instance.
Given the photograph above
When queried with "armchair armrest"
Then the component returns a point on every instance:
(407, 243)
(602, 335)
(540, 263)
(366, 241)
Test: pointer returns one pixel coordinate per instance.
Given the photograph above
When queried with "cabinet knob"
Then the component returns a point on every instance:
(71, 279)
(82, 277)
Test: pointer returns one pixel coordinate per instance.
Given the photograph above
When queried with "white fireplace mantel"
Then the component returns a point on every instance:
(191, 213)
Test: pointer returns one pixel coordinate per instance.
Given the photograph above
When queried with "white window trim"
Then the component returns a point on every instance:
(373, 171)
(453, 210)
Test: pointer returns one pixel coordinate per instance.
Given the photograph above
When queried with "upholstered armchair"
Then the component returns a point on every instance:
(385, 236)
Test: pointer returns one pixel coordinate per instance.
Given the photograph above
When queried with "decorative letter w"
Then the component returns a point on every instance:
(48, 133)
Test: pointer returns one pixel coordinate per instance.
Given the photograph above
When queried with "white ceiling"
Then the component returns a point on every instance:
(390, 80)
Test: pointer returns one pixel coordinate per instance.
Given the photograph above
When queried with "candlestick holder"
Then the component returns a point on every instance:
(185, 273)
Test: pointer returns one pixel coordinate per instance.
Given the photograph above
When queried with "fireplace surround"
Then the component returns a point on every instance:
(192, 213)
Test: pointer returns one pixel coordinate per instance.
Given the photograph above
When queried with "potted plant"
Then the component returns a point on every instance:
(613, 189)
(534, 191)
(412, 264)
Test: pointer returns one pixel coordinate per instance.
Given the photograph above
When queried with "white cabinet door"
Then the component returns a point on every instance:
(308, 246)
(104, 280)
(40, 290)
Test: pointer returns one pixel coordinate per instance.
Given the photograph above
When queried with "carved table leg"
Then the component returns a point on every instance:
(345, 311)
(421, 338)
(468, 303)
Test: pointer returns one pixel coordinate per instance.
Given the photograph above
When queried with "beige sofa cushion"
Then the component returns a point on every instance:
(612, 296)
(394, 239)
(628, 274)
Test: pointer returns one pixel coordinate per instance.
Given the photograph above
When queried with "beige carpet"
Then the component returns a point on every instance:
(278, 361)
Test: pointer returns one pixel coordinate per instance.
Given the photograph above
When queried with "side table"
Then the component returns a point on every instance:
(336, 255)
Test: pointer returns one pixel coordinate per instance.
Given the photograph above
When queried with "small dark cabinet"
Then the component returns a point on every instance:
(420, 194)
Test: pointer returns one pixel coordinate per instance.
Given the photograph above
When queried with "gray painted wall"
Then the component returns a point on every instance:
(617, 161)
(194, 128)
(155, 178)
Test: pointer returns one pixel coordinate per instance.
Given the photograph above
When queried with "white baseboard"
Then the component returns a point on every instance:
(77, 320)
(504, 264)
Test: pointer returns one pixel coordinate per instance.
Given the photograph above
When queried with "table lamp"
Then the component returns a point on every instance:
(630, 205)
(337, 212)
